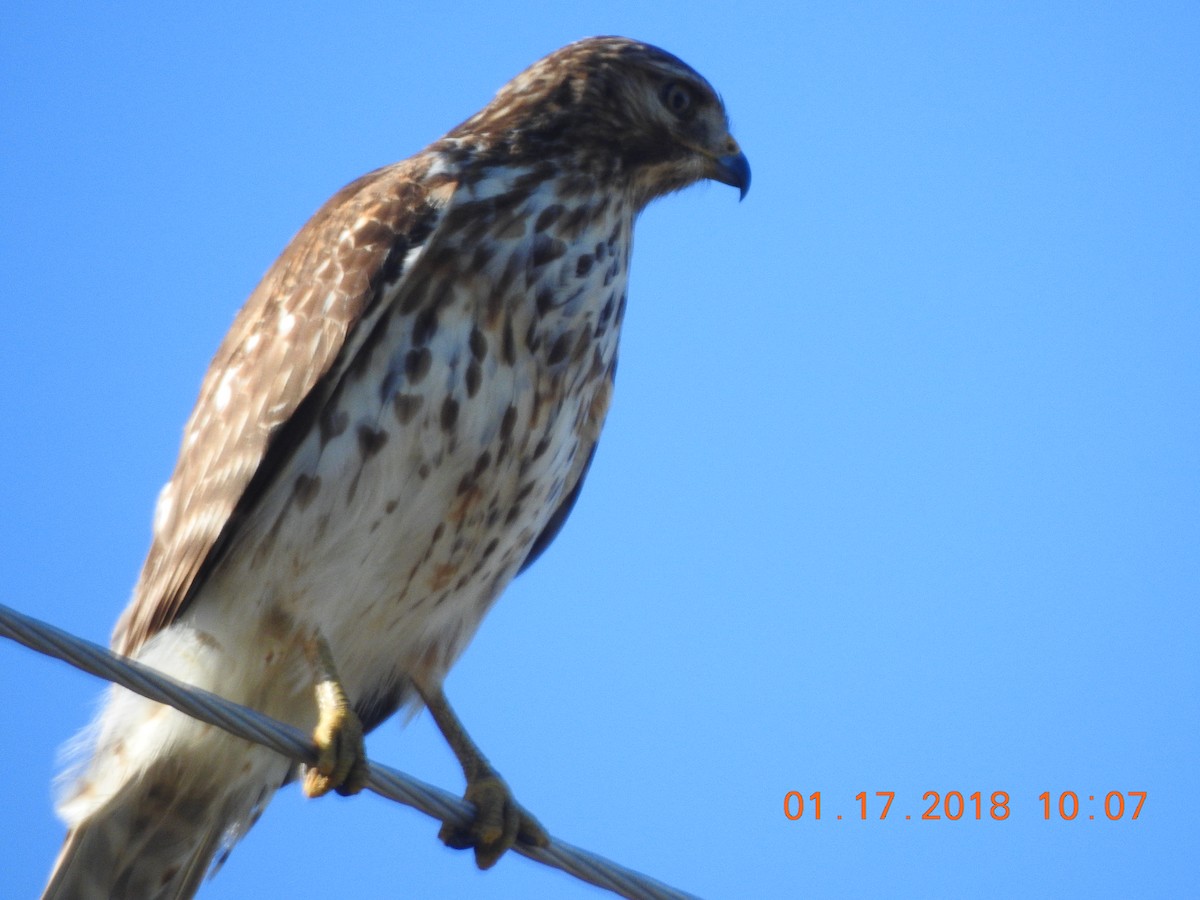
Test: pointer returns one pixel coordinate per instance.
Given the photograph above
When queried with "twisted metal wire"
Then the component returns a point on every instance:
(291, 742)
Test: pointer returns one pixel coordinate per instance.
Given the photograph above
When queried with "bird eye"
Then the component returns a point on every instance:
(676, 98)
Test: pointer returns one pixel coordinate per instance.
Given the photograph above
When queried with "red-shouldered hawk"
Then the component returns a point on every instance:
(397, 423)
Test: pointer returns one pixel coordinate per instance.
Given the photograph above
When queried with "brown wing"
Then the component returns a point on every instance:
(271, 374)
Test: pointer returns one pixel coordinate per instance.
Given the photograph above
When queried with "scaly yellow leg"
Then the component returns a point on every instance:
(342, 762)
(499, 820)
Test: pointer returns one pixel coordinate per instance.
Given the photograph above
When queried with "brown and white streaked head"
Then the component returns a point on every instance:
(610, 109)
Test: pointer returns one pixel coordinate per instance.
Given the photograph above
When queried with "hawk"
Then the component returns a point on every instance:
(397, 423)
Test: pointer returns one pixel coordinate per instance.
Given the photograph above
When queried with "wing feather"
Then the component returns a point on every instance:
(272, 372)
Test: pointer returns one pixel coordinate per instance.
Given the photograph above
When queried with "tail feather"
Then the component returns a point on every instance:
(155, 796)
(156, 839)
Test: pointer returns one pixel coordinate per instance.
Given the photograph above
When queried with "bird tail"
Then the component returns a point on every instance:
(155, 840)
(153, 832)
(152, 797)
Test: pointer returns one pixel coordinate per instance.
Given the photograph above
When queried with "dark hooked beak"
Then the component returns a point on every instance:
(733, 170)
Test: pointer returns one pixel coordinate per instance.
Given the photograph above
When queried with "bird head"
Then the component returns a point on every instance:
(616, 112)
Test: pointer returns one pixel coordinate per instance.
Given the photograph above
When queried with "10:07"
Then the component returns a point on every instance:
(1067, 805)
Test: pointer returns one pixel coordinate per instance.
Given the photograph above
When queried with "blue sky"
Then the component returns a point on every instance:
(901, 486)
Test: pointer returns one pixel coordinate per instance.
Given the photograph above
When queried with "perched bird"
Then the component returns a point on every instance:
(397, 423)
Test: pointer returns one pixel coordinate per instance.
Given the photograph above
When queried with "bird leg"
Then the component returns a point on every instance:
(342, 760)
(499, 820)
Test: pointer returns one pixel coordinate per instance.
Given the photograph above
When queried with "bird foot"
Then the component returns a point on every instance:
(342, 760)
(341, 756)
(498, 824)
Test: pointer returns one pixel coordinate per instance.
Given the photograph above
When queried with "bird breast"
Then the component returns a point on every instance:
(462, 420)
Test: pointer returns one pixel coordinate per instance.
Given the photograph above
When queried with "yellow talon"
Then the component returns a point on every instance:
(342, 759)
(499, 822)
